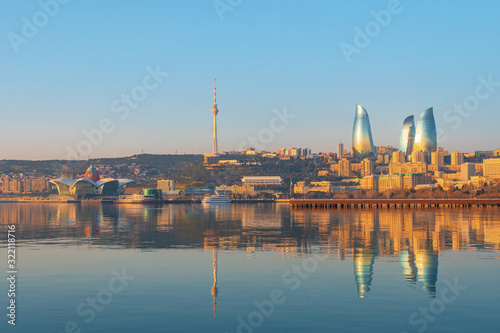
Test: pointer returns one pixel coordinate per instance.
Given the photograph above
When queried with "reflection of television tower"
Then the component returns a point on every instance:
(215, 291)
(215, 111)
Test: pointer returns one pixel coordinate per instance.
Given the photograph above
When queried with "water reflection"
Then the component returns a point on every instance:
(215, 291)
(414, 237)
(363, 259)
(407, 260)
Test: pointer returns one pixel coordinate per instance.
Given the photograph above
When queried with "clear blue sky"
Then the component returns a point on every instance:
(266, 55)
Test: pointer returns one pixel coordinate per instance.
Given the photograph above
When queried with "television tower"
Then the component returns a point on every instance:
(215, 111)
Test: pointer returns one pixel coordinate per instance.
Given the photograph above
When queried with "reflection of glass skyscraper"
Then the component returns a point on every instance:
(407, 260)
(426, 262)
(364, 259)
(407, 135)
(362, 142)
(425, 134)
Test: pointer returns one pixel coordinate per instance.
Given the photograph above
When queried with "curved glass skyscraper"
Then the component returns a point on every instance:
(362, 142)
(407, 135)
(425, 134)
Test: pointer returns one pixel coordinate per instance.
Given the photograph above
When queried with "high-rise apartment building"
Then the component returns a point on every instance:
(398, 157)
(367, 167)
(467, 170)
(340, 150)
(417, 156)
(344, 168)
(437, 158)
(457, 158)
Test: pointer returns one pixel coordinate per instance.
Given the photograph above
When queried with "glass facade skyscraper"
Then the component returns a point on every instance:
(407, 135)
(425, 134)
(362, 142)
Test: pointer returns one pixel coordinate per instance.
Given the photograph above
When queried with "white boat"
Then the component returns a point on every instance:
(216, 199)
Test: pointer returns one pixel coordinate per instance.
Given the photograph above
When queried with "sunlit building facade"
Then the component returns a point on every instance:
(389, 183)
(367, 167)
(457, 158)
(412, 180)
(491, 167)
(467, 170)
(398, 157)
(344, 168)
(425, 133)
(369, 182)
(407, 135)
(362, 142)
(261, 180)
(437, 158)
(417, 156)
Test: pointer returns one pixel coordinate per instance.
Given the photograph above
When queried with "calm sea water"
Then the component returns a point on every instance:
(252, 268)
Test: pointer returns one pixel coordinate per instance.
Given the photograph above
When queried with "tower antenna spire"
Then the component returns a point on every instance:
(215, 111)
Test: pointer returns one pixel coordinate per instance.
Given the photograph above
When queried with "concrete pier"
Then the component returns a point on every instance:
(393, 203)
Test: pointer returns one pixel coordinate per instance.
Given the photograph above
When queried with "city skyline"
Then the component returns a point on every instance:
(70, 75)
(354, 168)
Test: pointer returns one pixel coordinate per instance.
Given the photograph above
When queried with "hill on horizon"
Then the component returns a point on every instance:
(166, 163)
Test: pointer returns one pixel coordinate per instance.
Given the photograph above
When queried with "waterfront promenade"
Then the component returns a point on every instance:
(394, 203)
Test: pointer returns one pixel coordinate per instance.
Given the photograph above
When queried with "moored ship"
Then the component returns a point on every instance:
(216, 199)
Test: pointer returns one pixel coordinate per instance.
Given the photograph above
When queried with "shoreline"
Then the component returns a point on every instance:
(140, 202)
(305, 203)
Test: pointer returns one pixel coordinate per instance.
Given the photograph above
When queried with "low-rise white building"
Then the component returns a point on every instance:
(261, 180)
